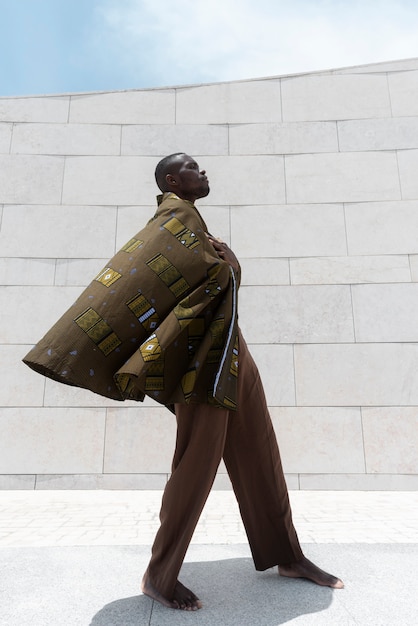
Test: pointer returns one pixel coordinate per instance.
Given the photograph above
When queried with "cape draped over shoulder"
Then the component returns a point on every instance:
(159, 320)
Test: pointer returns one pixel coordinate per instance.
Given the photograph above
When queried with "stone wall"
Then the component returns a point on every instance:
(314, 183)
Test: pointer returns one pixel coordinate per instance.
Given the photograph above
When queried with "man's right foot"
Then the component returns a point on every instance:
(306, 569)
(183, 598)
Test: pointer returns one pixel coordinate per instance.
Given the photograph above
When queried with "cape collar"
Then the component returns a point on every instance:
(169, 194)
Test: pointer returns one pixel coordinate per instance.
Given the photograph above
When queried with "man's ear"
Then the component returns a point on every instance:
(170, 179)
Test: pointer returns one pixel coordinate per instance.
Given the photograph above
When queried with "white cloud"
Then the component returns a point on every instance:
(187, 41)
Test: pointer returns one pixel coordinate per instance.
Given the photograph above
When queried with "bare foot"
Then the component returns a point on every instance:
(306, 569)
(183, 598)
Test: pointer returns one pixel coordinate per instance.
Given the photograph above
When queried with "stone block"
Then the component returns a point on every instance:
(5, 137)
(15, 271)
(218, 221)
(300, 314)
(51, 441)
(101, 481)
(358, 482)
(403, 88)
(319, 440)
(74, 139)
(342, 177)
(408, 165)
(264, 271)
(222, 468)
(284, 138)
(234, 103)
(107, 180)
(232, 179)
(385, 66)
(413, 261)
(380, 134)
(139, 442)
(286, 231)
(292, 481)
(20, 385)
(335, 97)
(17, 481)
(48, 109)
(356, 374)
(79, 272)
(158, 140)
(391, 439)
(131, 219)
(28, 312)
(58, 394)
(146, 481)
(58, 231)
(31, 179)
(350, 269)
(223, 483)
(385, 313)
(153, 106)
(377, 228)
(275, 364)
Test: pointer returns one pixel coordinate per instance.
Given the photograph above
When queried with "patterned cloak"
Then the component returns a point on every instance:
(159, 320)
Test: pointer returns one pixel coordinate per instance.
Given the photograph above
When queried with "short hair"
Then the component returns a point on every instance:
(163, 168)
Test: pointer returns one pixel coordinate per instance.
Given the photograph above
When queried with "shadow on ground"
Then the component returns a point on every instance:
(234, 595)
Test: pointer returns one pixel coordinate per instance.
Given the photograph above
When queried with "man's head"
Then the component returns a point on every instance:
(180, 174)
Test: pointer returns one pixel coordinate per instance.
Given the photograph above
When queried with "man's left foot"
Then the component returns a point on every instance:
(182, 598)
(306, 569)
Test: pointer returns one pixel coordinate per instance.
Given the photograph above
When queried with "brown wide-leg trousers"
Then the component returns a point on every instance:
(245, 439)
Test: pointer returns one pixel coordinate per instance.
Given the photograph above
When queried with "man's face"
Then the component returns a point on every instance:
(191, 182)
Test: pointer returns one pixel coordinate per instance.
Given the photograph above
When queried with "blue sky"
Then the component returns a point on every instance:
(61, 46)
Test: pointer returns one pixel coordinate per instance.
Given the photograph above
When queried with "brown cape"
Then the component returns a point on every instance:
(159, 320)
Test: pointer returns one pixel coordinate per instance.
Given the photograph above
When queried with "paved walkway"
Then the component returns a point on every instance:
(79, 518)
(75, 558)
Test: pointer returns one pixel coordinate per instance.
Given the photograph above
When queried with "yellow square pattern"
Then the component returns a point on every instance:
(144, 312)
(108, 276)
(151, 349)
(183, 234)
(98, 330)
(169, 274)
(132, 245)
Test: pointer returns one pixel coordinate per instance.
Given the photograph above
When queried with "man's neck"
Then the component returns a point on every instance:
(171, 194)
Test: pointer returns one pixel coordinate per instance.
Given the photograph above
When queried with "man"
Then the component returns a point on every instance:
(243, 438)
(172, 334)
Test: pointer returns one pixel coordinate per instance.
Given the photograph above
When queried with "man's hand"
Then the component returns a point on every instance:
(224, 252)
